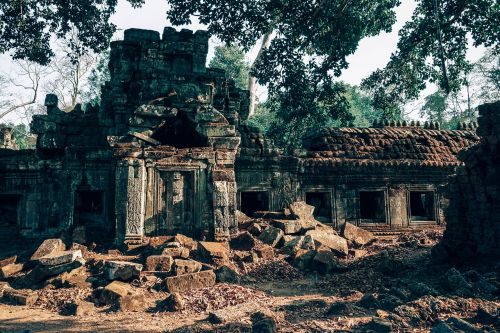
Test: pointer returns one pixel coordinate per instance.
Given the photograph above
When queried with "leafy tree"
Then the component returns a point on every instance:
(299, 40)
(434, 108)
(232, 60)
(286, 119)
(96, 79)
(432, 48)
(27, 26)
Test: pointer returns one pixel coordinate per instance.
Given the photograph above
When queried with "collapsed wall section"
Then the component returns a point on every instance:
(473, 216)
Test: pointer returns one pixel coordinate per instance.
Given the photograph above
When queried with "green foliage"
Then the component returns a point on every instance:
(434, 108)
(432, 48)
(21, 135)
(311, 39)
(287, 117)
(27, 26)
(97, 77)
(232, 60)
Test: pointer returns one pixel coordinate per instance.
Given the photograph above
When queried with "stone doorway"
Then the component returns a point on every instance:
(176, 211)
(9, 211)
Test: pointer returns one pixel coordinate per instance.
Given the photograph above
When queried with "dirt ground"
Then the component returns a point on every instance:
(396, 281)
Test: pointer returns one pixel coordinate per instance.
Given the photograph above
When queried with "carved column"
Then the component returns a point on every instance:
(130, 199)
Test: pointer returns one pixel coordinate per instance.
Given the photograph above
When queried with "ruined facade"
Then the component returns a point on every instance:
(166, 152)
(473, 215)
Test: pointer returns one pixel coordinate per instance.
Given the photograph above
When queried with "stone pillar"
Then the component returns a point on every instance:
(398, 207)
(130, 199)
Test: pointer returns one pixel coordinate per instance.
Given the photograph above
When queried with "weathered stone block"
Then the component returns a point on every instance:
(114, 291)
(42, 272)
(271, 236)
(183, 283)
(20, 297)
(356, 235)
(186, 266)
(214, 249)
(10, 269)
(47, 247)
(288, 226)
(60, 257)
(243, 242)
(159, 263)
(122, 270)
(331, 241)
(176, 252)
(302, 210)
(8, 261)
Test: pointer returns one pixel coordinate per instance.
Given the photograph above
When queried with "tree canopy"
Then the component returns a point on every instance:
(28, 26)
(232, 60)
(432, 48)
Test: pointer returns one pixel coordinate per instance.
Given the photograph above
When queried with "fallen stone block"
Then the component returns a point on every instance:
(76, 278)
(289, 227)
(242, 219)
(298, 243)
(264, 251)
(114, 291)
(132, 303)
(159, 263)
(356, 235)
(243, 242)
(271, 236)
(81, 308)
(47, 247)
(42, 272)
(255, 229)
(20, 297)
(358, 253)
(176, 252)
(10, 269)
(233, 313)
(263, 323)
(82, 248)
(325, 263)
(60, 257)
(329, 240)
(3, 285)
(8, 261)
(183, 283)
(302, 210)
(158, 241)
(211, 250)
(186, 266)
(303, 259)
(122, 270)
(174, 302)
(186, 242)
(227, 274)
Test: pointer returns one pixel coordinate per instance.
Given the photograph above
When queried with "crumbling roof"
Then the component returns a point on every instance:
(390, 145)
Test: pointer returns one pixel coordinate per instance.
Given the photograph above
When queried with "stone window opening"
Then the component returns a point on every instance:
(254, 201)
(9, 204)
(322, 205)
(422, 206)
(89, 207)
(372, 206)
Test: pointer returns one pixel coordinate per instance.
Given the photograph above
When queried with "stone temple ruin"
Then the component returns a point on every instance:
(167, 151)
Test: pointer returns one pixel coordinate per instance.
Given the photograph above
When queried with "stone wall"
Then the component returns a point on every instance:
(473, 217)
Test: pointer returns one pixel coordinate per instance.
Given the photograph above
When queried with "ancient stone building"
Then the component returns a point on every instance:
(473, 215)
(167, 152)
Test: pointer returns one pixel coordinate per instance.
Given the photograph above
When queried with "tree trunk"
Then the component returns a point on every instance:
(252, 81)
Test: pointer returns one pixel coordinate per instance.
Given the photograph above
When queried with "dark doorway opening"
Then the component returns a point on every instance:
(9, 206)
(372, 206)
(254, 201)
(89, 217)
(322, 205)
(422, 206)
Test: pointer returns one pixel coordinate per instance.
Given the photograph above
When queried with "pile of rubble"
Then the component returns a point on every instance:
(308, 244)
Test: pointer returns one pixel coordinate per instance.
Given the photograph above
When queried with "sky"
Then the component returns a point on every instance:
(372, 52)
